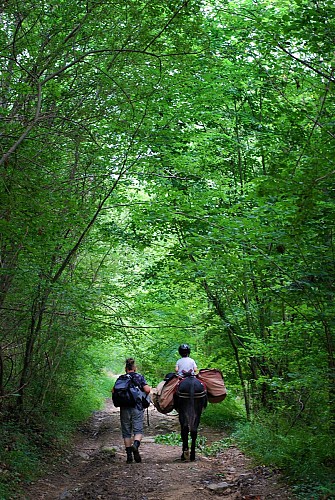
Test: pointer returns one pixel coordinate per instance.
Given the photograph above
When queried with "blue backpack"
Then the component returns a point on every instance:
(128, 395)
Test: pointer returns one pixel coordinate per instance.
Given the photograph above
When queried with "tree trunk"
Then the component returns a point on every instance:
(231, 335)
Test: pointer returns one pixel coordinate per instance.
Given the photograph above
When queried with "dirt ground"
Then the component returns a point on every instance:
(95, 468)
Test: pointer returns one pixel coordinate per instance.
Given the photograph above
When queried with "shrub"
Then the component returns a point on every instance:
(225, 415)
(301, 452)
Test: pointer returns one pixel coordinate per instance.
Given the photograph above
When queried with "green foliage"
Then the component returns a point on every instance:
(174, 439)
(216, 447)
(167, 176)
(314, 490)
(25, 448)
(20, 458)
(225, 415)
(301, 453)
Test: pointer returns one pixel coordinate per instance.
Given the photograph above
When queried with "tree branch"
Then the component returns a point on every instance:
(28, 129)
(307, 64)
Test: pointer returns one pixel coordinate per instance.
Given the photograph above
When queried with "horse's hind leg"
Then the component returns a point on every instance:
(194, 439)
(184, 436)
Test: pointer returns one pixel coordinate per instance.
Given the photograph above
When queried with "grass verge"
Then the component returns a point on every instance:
(28, 445)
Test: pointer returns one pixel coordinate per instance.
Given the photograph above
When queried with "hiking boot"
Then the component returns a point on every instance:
(135, 448)
(129, 454)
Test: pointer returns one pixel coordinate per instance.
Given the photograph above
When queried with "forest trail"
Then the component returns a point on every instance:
(92, 470)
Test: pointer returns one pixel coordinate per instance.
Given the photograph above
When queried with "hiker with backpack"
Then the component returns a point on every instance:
(130, 393)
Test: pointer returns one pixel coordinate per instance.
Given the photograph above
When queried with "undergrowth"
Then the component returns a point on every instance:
(174, 439)
(305, 455)
(225, 415)
(26, 445)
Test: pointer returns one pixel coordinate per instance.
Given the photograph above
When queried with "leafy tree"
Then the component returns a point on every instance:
(78, 81)
(167, 176)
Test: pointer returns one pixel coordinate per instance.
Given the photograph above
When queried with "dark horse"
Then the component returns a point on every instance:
(191, 399)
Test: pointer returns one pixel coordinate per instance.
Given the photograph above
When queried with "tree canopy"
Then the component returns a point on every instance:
(167, 176)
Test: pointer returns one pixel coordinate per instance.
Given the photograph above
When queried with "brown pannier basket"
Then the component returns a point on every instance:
(216, 389)
(162, 395)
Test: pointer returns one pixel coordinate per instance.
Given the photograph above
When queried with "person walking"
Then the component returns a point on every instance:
(132, 418)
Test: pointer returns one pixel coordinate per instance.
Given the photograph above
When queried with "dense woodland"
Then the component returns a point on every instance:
(167, 175)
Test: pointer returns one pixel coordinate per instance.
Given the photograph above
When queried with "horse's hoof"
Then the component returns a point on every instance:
(182, 458)
(192, 458)
(186, 454)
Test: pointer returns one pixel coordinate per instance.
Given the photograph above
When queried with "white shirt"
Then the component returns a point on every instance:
(186, 365)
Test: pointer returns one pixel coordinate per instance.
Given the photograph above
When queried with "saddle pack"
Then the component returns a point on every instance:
(163, 396)
(213, 379)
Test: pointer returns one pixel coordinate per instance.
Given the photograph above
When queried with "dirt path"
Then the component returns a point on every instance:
(94, 471)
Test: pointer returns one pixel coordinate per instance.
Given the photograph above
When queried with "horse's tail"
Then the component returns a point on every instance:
(198, 401)
(193, 379)
(191, 402)
(192, 413)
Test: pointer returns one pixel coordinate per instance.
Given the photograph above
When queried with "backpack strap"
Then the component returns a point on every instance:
(130, 375)
(134, 380)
